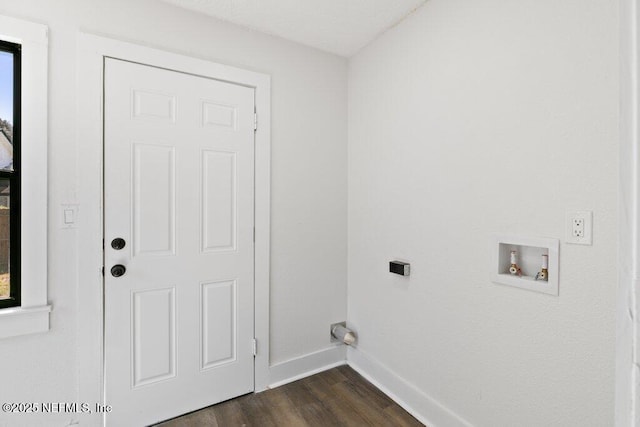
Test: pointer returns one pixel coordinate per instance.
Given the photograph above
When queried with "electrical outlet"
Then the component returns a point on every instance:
(579, 227)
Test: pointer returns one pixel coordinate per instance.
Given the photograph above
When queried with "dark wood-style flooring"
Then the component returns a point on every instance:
(337, 397)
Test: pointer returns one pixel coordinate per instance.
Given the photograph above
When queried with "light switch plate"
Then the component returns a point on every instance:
(68, 215)
(579, 227)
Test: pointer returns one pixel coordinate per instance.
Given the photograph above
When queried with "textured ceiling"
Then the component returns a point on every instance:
(339, 26)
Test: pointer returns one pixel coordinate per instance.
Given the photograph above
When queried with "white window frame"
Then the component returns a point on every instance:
(33, 314)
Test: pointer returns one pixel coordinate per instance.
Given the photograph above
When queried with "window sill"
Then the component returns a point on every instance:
(24, 320)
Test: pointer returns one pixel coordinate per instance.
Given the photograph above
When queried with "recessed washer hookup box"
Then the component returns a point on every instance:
(399, 267)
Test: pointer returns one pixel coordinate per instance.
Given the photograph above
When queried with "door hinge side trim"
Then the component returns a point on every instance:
(254, 344)
(255, 121)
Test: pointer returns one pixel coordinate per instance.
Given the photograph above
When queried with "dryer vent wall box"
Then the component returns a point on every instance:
(399, 267)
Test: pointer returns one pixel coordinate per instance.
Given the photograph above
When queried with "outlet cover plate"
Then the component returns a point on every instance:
(582, 221)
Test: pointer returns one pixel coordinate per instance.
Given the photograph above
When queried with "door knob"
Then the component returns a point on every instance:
(118, 270)
(118, 243)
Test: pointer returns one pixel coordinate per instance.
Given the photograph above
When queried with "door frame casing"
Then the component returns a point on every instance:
(92, 50)
(627, 397)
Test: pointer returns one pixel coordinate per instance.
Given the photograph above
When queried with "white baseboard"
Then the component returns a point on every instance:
(423, 407)
(307, 365)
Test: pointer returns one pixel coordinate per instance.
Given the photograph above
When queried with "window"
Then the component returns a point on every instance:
(10, 94)
(24, 307)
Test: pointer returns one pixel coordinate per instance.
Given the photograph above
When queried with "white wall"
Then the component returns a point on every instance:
(309, 113)
(471, 118)
(468, 118)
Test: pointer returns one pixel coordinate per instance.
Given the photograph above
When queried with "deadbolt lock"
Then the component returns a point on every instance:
(118, 243)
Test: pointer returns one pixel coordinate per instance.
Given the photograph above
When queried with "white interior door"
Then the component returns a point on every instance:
(179, 166)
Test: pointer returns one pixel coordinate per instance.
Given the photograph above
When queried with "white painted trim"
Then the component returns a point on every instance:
(309, 364)
(18, 31)
(92, 50)
(34, 194)
(22, 321)
(627, 405)
(423, 407)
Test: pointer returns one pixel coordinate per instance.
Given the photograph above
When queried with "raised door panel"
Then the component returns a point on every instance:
(219, 210)
(154, 336)
(218, 115)
(153, 106)
(153, 199)
(218, 323)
